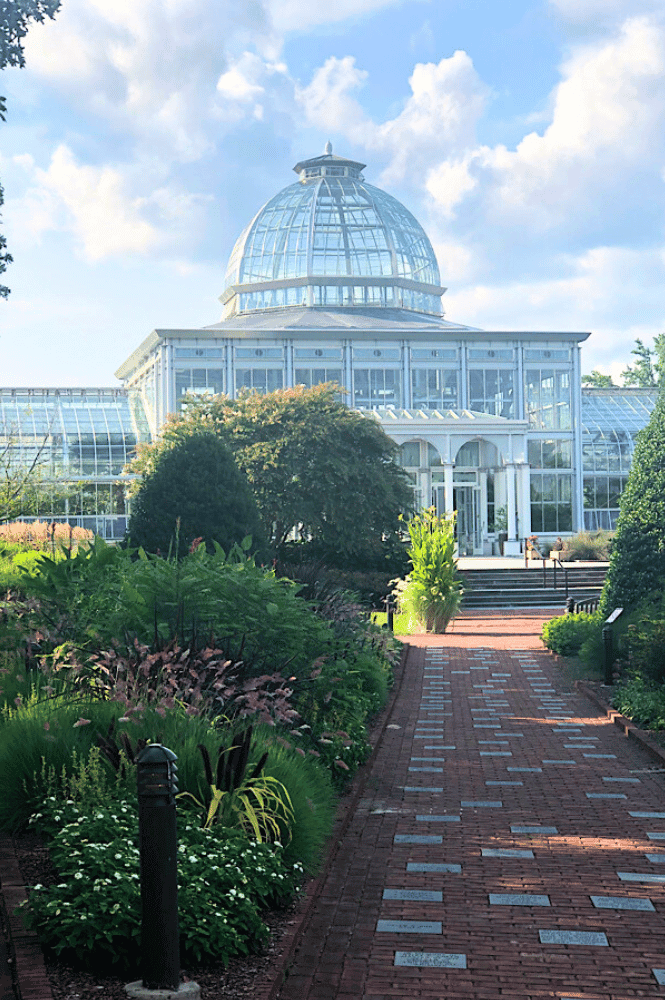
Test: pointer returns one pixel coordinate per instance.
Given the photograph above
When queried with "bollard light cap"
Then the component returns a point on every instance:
(155, 753)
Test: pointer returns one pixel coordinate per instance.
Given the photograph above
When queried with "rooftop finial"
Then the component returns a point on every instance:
(328, 149)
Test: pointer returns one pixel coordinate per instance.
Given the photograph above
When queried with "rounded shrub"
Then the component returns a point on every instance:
(192, 490)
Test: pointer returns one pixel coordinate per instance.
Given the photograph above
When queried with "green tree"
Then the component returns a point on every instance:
(191, 477)
(637, 560)
(315, 467)
(15, 16)
(648, 369)
(596, 380)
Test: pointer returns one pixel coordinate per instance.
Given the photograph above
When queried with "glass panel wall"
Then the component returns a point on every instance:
(551, 491)
(198, 381)
(547, 398)
(491, 390)
(611, 420)
(373, 387)
(434, 389)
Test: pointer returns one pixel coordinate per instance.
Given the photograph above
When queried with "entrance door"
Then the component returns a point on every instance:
(466, 500)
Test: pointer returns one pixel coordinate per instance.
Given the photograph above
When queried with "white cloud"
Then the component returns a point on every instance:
(302, 15)
(607, 120)
(596, 15)
(111, 211)
(149, 67)
(448, 183)
(244, 84)
(327, 99)
(601, 291)
(438, 119)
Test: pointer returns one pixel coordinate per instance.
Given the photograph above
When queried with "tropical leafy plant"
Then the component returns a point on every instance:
(432, 592)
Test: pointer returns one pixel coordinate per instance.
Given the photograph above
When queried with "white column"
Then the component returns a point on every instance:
(448, 487)
(524, 502)
(512, 545)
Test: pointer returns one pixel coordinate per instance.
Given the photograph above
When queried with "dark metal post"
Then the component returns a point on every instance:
(160, 948)
(544, 573)
(390, 615)
(608, 653)
(608, 645)
(565, 576)
(554, 562)
(570, 606)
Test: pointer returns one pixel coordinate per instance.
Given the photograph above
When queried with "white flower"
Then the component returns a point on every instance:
(78, 875)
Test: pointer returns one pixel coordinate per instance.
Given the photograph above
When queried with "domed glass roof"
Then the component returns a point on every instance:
(332, 240)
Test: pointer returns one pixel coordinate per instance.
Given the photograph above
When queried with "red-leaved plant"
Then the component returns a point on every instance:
(203, 680)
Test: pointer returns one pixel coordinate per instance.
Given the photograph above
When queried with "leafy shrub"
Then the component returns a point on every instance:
(567, 634)
(588, 546)
(643, 701)
(252, 615)
(194, 483)
(93, 913)
(432, 592)
(644, 639)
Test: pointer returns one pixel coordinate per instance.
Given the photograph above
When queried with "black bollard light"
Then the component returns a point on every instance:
(160, 947)
(390, 615)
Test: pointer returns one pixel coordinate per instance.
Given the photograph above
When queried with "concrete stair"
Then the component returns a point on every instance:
(529, 588)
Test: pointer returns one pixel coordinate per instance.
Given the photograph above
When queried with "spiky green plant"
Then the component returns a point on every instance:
(432, 592)
(259, 804)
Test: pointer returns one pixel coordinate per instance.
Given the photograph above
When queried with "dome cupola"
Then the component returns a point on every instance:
(331, 240)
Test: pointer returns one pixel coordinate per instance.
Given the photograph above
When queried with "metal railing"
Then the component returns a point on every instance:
(575, 607)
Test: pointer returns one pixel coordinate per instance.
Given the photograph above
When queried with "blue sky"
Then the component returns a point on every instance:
(528, 137)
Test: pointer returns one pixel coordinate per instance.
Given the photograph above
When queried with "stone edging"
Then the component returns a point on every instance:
(346, 811)
(630, 730)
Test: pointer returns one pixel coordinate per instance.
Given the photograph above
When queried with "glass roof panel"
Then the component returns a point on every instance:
(334, 226)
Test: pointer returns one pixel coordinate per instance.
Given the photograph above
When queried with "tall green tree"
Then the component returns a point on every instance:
(647, 371)
(191, 480)
(637, 561)
(316, 467)
(15, 18)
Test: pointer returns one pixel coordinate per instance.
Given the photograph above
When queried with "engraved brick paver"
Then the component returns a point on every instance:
(443, 891)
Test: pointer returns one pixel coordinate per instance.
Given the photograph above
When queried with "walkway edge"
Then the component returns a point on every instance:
(630, 730)
(346, 810)
(31, 980)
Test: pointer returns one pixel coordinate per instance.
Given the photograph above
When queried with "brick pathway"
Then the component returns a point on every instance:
(510, 842)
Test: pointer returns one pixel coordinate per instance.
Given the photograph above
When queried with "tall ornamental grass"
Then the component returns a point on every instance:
(432, 593)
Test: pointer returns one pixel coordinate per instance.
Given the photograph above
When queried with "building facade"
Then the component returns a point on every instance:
(334, 280)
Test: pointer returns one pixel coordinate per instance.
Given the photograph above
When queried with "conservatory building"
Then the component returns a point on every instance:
(334, 280)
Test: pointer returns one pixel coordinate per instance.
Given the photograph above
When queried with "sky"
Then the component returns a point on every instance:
(527, 136)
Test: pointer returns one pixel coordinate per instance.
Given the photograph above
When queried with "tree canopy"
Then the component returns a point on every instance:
(191, 480)
(316, 467)
(637, 561)
(15, 17)
(597, 380)
(648, 369)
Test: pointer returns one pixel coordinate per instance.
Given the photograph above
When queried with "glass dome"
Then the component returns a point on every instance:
(332, 240)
